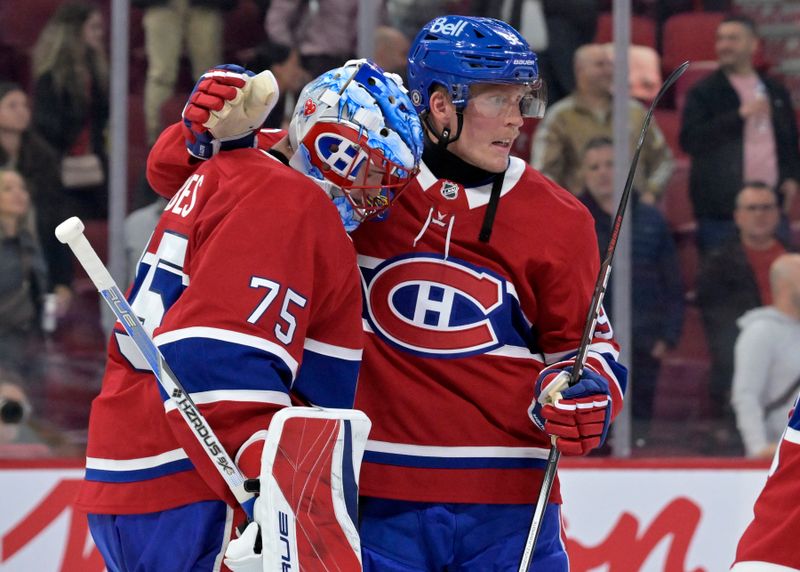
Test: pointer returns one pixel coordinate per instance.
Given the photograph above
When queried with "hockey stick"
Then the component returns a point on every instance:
(591, 322)
(70, 232)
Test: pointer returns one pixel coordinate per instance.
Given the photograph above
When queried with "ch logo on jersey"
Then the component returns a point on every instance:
(343, 157)
(440, 308)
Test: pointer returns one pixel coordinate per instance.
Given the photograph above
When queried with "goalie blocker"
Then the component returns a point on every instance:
(306, 513)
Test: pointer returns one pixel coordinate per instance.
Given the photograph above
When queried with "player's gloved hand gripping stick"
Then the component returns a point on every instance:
(569, 379)
(70, 232)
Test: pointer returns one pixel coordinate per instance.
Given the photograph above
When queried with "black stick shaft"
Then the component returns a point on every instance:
(591, 322)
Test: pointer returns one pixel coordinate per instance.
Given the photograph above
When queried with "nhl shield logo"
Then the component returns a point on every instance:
(449, 190)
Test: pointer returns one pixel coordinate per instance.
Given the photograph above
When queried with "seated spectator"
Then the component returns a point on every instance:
(284, 63)
(644, 77)
(15, 408)
(734, 279)
(766, 373)
(23, 277)
(23, 150)
(587, 113)
(391, 50)
(657, 309)
(737, 125)
(70, 70)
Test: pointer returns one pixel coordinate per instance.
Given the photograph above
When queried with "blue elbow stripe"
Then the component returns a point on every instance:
(105, 476)
(205, 364)
(327, 381)
(453, 462)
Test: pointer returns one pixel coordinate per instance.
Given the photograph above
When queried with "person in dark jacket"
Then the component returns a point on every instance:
(738, 125)
(25, 151)
(657, 304)
(23, 276)
(733, 279)
(70, 69)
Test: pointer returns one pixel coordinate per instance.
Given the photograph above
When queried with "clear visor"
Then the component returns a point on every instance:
(530, 101)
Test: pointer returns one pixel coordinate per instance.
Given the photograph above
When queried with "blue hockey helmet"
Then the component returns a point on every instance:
(355, 131)
(458, 51)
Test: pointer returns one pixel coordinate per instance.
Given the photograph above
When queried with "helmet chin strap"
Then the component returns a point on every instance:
(443, 139)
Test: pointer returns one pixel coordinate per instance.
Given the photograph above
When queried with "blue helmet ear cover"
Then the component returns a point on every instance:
(458, 51)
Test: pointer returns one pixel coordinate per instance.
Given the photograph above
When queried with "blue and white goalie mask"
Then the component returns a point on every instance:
(354, 130)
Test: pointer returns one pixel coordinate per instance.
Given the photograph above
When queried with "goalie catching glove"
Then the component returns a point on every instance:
(226, 108)
(578, 416)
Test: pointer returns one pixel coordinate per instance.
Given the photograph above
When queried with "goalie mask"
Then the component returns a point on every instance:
(355, 131)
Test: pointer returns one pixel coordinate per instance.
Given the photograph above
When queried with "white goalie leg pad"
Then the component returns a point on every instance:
(307, 507)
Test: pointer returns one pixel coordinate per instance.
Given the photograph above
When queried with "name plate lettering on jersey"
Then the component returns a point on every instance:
(184, 200)
(437, 307)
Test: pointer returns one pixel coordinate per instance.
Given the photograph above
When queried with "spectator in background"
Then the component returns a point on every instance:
(70, 70)
(766, 361)
(571, 123)
(657, 308)
(23, 277)
(391, 51)
(734, 279)
(168, 25)
(324, 37)
(284, 63)
(23, 150)
(738, 125)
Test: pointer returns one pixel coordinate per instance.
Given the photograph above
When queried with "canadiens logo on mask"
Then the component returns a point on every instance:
(340, 154)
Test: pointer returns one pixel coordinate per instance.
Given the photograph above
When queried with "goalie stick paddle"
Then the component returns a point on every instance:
(591, 322)
(70, 232)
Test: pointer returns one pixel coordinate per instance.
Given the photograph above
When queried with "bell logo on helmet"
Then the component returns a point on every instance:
(442, 26)
(309, 108)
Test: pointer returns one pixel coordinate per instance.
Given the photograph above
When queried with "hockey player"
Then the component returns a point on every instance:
(477, 286)
(250, 289)
(769, 544)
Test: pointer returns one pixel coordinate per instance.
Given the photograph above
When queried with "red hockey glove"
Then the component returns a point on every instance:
(578, 416)
(225, 109)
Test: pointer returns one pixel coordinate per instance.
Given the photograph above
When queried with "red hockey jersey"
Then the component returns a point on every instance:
(458, 330)
(770, 541)
(250, 288)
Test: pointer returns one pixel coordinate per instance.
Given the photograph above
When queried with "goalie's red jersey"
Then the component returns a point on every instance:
(458, 330)
(250, 287)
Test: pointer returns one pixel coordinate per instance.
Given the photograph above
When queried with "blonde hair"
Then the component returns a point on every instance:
(61, 51)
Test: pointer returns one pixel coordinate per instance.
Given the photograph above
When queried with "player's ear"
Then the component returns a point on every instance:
(441, 109)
